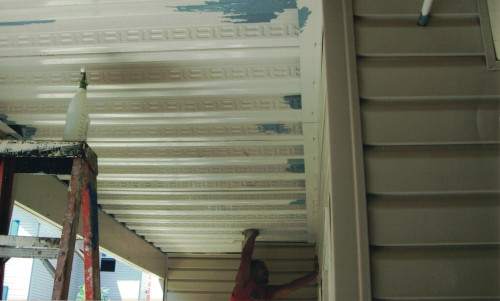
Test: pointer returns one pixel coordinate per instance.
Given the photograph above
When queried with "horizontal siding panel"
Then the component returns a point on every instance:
(200, 286)
(233, 264)
(229, 275)
(222, 287)
(426, 169)
(434, 220)
(446, 299)
(211, 277)
(446, 272)
(283, 252)
(217, 297)
(433, 122)
(397, 8)
(427, 78)
(403, 37)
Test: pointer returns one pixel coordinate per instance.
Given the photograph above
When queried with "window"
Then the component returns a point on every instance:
(14, 229)
(108, 264)
(489, 13)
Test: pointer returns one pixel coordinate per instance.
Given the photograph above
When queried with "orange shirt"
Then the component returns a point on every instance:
(252, 292)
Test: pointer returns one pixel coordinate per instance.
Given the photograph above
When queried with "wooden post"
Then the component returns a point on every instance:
(90, 236)
(6, 204)
(69, 231)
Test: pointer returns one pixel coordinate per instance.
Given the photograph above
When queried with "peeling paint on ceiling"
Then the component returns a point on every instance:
(244, 11)
(188, 115)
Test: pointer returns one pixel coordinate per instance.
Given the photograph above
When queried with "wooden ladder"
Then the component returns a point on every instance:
(54, 158)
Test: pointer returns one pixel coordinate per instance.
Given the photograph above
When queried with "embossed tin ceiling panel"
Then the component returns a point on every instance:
(195, 106)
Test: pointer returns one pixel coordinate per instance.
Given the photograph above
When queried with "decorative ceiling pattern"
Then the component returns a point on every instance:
(196, 110)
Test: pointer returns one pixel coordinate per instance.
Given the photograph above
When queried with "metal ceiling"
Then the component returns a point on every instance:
(196, 108)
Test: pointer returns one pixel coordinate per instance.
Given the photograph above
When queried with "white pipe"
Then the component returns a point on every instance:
(424, 13)
(426, 7)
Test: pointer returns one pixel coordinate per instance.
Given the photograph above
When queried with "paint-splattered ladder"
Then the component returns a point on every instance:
(54, 158)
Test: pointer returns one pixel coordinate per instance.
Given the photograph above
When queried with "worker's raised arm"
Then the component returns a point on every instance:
(246, 258)
(285, 289)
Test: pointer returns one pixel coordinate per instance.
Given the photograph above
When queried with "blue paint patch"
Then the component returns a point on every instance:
(296, 166)
(294, 101)
(277, 128)
(243, 11)
(24, 132)
(304, 13)
(18, 23)
(298, 202)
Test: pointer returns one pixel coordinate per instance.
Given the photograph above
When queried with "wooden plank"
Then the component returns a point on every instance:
(402, 37)
(427, 78)
(90, 236)
(430, 122)
(49, 253)
(435, 272)
(69, 230)
(397, 8)
(432, 169)
(29, 241)
(458, 219)
(6, 204)
(46, 150)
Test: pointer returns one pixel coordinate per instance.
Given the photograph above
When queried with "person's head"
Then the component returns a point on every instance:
(258, 272)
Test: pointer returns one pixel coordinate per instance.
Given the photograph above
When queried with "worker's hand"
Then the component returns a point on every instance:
(250, 232)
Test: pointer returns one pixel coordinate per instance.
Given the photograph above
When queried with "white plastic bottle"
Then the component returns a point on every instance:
(77, 118)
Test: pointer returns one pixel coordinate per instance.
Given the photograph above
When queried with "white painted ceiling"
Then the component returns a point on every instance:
(197, 113)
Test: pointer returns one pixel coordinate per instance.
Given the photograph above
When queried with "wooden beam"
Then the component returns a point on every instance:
(49, 267)
(68, 237)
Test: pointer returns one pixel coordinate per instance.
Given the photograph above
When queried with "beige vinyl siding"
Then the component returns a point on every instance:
(430, 119)
(211, 277)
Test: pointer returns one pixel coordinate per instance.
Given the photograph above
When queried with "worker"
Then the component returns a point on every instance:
(252, 277)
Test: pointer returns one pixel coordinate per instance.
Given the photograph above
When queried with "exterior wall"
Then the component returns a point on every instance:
(123, 284)
(211, 277)
(430, 115)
